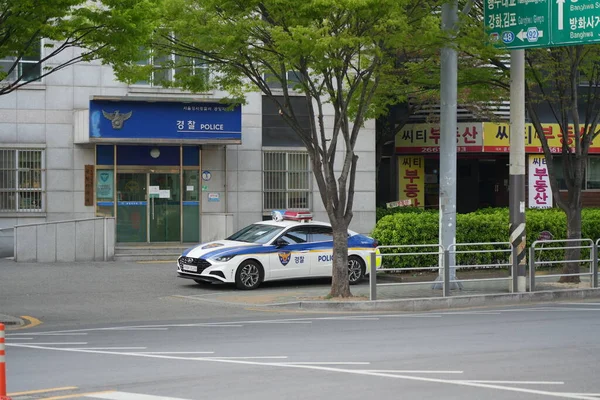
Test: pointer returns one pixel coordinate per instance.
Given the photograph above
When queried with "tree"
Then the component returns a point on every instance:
(106, 29)
(338, 50)
(567, 81)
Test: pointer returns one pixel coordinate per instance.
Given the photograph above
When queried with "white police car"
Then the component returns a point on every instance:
(290, 246)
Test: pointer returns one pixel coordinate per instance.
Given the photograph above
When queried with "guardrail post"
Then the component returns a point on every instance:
(446, 266)
(595, 265)
(514, 268)
(532, 268)
(373, 277)
(2, 366)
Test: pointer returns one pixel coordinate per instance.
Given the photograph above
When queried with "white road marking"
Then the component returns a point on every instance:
(284, 322)
(110, 348)
(176, 352)
(128, 396)
(518, 382)
(352, 318)
(139, 328)
(57, 343)
(471, 313)
(244, 358)
(325, 368)
(392, 371)
(326, 363)
(61, 334)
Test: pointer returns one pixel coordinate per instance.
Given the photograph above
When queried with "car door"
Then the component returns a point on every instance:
(321, 250)
(292, 259)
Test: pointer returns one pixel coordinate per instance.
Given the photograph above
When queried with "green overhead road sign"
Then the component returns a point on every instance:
(521, 24)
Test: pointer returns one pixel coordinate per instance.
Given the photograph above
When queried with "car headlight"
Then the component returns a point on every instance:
(224, 258)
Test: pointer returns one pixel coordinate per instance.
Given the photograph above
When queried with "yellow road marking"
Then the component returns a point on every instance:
(43, 391)
(32, 322)
(70, 396)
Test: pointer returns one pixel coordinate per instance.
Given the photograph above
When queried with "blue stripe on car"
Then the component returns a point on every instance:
(355, 241)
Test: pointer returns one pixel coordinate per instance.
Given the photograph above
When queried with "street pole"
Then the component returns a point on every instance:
(517, 168)
(448, 125)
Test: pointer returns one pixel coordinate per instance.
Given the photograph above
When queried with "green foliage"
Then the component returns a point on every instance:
(489, 225)
(111, 30)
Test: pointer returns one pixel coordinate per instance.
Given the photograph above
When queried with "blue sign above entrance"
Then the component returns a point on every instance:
(143, 122)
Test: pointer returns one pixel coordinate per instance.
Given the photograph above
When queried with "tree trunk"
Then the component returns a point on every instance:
(340, 286)
(573, 232)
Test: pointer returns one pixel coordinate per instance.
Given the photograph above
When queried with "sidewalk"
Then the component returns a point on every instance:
(306, 295)
(393, 297)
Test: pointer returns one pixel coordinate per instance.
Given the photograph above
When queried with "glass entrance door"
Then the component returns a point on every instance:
(131, 207)
(164, 219)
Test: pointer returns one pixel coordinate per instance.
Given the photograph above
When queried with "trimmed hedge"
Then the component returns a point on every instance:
(489, 225)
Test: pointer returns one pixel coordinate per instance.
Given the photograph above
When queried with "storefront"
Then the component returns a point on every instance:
(148, 165)
(482, 165)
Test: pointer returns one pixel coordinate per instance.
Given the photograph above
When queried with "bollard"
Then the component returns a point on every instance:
(3, 395)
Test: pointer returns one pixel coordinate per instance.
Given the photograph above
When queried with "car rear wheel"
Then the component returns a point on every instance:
(249, 275)
(356, 269)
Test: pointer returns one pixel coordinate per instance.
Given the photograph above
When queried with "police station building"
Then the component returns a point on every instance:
(169, 166)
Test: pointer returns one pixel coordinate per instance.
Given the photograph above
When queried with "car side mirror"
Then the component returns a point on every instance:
(280, 242)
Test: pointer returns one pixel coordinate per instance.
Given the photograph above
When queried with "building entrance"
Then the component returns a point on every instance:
(149, 206)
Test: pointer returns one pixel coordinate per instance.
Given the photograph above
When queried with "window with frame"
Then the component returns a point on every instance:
(21, 180)
(28, 68)
(293, 79)
(592, 173)
(286, 181)
(166, 70)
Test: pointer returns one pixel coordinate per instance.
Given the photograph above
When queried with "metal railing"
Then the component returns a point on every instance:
(373, 273)
(540, 246)
(453, 249)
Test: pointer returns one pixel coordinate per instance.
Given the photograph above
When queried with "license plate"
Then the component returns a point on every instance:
(191, 268)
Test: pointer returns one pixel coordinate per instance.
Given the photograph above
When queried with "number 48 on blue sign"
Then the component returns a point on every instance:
(508, 37)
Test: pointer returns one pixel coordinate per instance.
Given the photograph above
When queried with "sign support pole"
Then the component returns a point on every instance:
(448, 126)
(517, 169)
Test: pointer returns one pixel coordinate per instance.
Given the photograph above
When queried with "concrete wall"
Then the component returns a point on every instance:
(66, 241)
(216, 226)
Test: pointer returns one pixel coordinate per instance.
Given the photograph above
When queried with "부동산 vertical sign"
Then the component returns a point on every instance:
(520, 24)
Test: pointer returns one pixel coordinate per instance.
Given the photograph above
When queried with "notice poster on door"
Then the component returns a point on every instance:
(153, 191)
(412, 179)
(540, 194)
(164, 194)
(104, 184)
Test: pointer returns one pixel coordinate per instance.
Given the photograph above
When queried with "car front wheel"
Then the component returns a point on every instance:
(249, 275)
(356, 269)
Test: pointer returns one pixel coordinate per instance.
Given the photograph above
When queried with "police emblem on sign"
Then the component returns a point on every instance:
(285, 257)
(116, 118)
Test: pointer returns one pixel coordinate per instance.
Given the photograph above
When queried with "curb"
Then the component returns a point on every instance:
(442, 303)
(7, 320)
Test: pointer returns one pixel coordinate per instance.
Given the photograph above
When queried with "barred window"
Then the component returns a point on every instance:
(169, 68)
(286, 181)
(21, 180)
(28, 68)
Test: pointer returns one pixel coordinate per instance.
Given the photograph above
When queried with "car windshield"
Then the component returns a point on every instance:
(256, 233)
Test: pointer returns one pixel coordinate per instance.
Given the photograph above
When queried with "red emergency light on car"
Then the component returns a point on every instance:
(302, 216)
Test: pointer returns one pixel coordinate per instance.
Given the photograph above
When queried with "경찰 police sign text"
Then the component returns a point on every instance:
(137, 121)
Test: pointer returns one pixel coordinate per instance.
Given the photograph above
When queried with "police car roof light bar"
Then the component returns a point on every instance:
(302, 216)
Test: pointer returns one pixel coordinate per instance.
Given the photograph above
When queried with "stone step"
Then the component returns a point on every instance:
(146, 257)
(149, 252)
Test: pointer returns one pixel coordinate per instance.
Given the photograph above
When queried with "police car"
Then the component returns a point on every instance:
(289, 246)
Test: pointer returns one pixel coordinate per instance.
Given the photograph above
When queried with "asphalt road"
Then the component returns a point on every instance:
(547, 351)
(136, 332)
